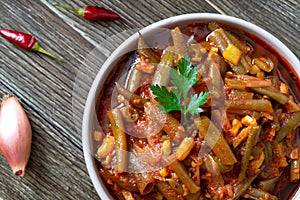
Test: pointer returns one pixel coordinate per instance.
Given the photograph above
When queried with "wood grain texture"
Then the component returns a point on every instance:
(53, 93)
(134, 15)
(56, 169)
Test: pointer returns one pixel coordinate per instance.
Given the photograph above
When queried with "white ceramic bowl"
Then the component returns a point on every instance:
(130, 44)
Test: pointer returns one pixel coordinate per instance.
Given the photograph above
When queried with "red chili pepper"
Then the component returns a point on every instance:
(25, 41)
(92, 13)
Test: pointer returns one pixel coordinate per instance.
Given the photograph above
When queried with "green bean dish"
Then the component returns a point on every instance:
(210, 113)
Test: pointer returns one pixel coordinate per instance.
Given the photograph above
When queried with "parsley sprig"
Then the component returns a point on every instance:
(184, 77)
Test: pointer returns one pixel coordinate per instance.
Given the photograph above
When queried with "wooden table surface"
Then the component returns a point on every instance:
(54, 93)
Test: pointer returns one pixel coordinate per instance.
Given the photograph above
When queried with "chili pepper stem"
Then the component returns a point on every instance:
(38, 48)
(79, 12)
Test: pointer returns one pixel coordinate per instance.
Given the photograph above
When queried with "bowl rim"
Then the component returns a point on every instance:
(129, 43)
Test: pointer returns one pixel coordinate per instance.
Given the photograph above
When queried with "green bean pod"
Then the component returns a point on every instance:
(256, 193)
(213, 26)
(180, 43)
(173, 128)
(145, 183)
(217, 82)
(294, 170)
(245, 64)
(217, 38)
(162, 74)
(184, 148)
(238, 69)
(170, 125)
(218, 60)
(265, 64)
(268, 184)
(115, 118)
(135, 100)
(239, 95)
(242, 187)
(166, 190)
(237, 42)
(250, 143)
(223, 168)
(253, 104)
(213, 168)
(268, 153)
(176, 186)
(215, 140)
(234, 84)
(288, 126)
(145, 51)
(273, 94)
(183, 176)
(134, 79)
(222, 41)
(275, 78)
(121, 179)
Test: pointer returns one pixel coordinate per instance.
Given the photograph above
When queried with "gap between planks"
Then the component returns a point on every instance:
(215, 7)
(73, 24)
(69, 21)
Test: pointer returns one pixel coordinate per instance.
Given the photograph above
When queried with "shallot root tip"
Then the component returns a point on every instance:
(19, 172)
(6, 96)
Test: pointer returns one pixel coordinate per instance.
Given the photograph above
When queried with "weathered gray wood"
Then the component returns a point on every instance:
(56, 169)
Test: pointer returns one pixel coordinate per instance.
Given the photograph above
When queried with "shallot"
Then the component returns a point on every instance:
(15, 134)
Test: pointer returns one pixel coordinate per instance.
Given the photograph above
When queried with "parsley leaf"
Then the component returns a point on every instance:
(187, 70)
(184, 77)
(170, 100)
(196, 101)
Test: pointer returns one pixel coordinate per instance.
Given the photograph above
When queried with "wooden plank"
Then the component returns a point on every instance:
(134, 15)
(56, 169)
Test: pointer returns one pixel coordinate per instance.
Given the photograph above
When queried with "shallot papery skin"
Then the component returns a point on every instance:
(15, 135)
